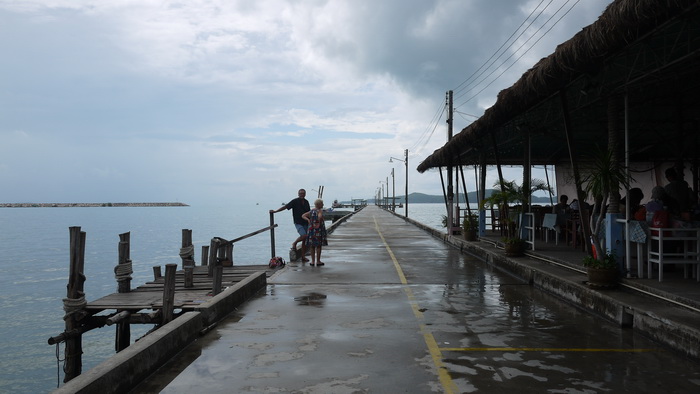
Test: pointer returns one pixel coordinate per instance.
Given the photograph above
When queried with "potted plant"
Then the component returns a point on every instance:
(514, 246)
(470, 225)
(602, 272)
(604, 178)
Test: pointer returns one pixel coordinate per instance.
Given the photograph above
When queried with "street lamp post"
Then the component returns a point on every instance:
(405, 162)
(393, 191)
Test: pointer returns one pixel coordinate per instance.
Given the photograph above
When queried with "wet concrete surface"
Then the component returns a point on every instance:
(397, 311)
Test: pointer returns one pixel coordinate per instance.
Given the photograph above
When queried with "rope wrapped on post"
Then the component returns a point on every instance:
(123, 271)
(73, 305)
(187, 253)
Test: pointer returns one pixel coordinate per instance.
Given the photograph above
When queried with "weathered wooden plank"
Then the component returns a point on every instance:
(150, 294)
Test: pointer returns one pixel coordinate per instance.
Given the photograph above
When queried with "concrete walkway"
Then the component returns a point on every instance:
(395, 310)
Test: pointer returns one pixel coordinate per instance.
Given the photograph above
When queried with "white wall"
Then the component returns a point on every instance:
(646, 175)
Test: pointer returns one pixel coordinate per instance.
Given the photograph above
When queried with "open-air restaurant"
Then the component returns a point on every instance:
(613, 114)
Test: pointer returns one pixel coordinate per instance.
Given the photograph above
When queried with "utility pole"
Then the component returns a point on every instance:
(450, 193)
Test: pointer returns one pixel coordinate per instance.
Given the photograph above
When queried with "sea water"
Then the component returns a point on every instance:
(34, 266)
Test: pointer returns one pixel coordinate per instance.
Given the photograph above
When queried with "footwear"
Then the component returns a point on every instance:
(319, 264)
(305, 260)
(312, 264)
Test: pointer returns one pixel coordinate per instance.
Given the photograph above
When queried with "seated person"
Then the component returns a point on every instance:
(635, 200)
(656, 203)
(562, 210)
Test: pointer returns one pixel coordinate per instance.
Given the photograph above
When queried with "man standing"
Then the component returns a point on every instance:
(299, 206)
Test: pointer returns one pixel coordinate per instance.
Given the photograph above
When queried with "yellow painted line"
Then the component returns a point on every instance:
(433, 348)
(539, 349)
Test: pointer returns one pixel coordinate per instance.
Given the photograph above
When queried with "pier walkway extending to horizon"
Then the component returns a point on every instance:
(397, 310)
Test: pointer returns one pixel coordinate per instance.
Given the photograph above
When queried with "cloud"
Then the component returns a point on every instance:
(151, 99)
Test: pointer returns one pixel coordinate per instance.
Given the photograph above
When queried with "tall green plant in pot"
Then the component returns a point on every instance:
(604, 177)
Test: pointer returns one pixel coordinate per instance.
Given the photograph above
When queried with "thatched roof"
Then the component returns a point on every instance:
(647, 49)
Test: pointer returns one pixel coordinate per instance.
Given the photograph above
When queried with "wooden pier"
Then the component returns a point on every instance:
(160, 301)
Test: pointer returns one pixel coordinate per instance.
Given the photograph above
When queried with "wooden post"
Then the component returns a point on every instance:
(157, 272)
(75, 296)
(574, 166)
(123, 272)
(169, 293)
(213, 247)
(222, 251)
(218, 269)
(229, 255)
(205, 254)
(216, 282)
(189, 276)
(187, 250)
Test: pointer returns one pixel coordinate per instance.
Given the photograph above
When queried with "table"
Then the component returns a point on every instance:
(550, 223)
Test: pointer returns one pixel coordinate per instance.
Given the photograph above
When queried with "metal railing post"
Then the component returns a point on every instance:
(272, 235)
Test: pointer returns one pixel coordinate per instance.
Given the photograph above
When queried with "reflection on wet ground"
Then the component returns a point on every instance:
(312, 299)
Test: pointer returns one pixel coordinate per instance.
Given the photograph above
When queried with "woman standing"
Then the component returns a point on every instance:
(316, 236)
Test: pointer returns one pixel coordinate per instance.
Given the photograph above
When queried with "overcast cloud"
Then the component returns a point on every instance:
(210, 101)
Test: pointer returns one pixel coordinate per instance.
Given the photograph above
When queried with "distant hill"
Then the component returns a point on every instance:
(421, 198)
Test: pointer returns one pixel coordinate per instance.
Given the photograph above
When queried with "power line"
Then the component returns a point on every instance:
(464, 113)
(429, 131)
(513, 52)
(457, 89)
(526, 51)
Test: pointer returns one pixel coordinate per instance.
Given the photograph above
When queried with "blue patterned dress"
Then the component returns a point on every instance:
(316, 236)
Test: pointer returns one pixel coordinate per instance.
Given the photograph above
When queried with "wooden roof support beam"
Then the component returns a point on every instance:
(574, 165)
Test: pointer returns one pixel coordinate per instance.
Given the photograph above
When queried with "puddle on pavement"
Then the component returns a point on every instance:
(313, 299)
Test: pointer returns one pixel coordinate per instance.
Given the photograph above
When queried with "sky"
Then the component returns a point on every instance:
(234, 100)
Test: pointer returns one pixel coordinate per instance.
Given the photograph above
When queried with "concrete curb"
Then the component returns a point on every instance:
(127, 368)
(225, 302)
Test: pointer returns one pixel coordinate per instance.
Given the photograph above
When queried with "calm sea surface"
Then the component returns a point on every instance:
(34, 264)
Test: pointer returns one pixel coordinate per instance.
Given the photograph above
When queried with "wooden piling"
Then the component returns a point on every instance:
(228, 255)
(157, 274)
(73, 303)
(205, 255)
(187, 250)
(221, 253)
(218, 276)
(123, 272)
(213, 248)
(169, 293)
(189, 276)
